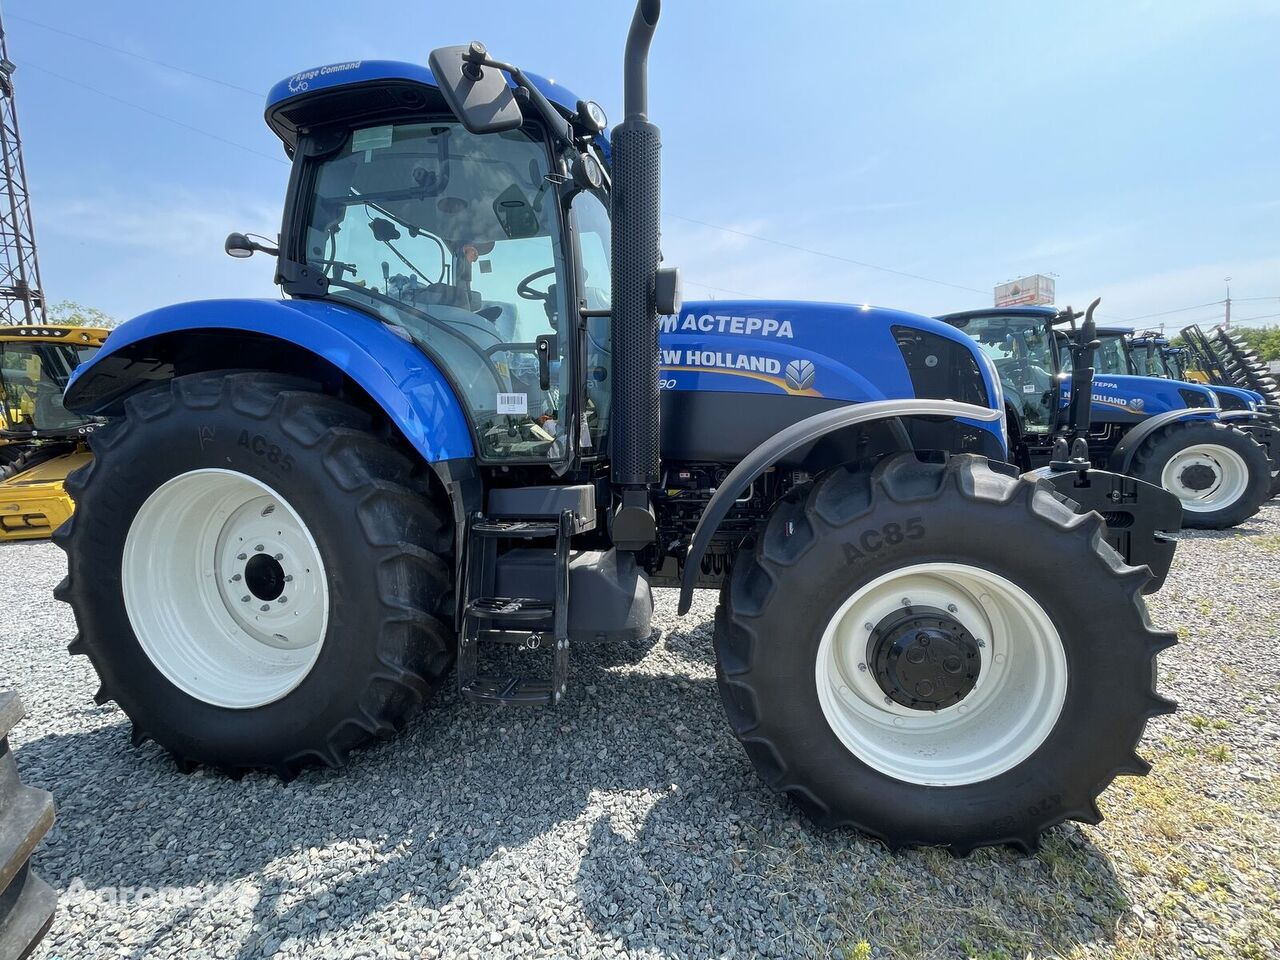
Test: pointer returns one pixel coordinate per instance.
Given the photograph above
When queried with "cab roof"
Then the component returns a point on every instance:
(369, 87)
(1038, 311)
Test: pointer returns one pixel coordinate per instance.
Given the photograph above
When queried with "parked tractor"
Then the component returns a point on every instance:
(41, 441)
(1164, 432)
(481, 428)
(1147, 355)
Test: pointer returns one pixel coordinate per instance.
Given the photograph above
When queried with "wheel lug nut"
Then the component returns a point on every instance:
(283, 599)
(259, 548)
(952, 608)
(288, 578)
(242, 556)
(244, 599)
(236, 578)
(862, 668)
(265, 607)
(279, 556)
(868, 625)
(906, 601)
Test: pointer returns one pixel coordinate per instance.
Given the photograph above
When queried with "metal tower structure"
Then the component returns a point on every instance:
(21, 296)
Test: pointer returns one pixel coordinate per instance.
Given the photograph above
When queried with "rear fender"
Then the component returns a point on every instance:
(403, 381)
(800, 434)
(1121, 458)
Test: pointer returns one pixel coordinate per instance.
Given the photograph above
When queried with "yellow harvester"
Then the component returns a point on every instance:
(40, 440)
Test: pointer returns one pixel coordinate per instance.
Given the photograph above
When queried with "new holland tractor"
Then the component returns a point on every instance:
(482, 426)
(41, 441)
(1164, 432)
(1147, 355)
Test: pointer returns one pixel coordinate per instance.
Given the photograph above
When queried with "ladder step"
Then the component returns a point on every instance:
(511, 691)
(509, 608)
(523, 529)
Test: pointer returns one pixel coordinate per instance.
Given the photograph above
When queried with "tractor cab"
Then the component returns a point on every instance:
(483, 246)
(35, 365)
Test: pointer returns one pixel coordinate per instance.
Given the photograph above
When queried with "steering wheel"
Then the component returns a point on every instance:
(527, 292)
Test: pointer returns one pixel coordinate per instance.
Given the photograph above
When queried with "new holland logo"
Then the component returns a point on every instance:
(799, 374)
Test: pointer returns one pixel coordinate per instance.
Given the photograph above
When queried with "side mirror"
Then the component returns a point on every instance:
(479, 96)
(666, 291)
(241, 247)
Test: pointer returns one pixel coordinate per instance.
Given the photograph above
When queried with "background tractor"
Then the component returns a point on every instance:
(1150, 355)
(41, 441)
(481, 428)
(1163, 432)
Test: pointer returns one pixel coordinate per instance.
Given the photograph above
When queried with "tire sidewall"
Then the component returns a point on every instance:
(1157, 451)
(224, 438)
(1089, 611)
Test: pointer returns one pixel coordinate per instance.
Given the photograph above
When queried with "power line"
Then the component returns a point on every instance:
(153, 113)
(1165, 313)
(824, 253)
(1262, 316)
(138, 56)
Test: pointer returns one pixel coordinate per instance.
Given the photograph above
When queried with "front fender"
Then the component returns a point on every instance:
(399, 377)
(1122, 456)
(794, 437)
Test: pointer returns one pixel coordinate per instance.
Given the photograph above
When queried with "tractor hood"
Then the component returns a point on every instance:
(837, 351)
(1145, 396)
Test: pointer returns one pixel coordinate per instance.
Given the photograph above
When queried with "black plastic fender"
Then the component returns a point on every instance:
(1138, 515)
(794, 437)
(1122, 456)
(1263, 427)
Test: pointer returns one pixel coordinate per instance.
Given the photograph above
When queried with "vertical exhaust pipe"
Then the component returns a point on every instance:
(636, 212)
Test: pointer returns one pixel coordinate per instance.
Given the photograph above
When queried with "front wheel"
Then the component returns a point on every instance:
(1220, 474)
(259, 576)
(901, 652)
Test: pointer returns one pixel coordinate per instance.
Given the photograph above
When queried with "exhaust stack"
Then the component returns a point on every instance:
(635, 429)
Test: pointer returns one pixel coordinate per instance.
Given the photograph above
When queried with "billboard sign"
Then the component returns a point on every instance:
(1036, 289)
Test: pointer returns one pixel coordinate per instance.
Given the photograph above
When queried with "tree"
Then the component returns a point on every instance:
(68, 313)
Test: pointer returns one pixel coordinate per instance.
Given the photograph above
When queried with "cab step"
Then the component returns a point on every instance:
(522, 622)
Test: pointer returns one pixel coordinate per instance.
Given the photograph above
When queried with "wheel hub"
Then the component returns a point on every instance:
(924, 658)
(264, 576)
(1199, 476)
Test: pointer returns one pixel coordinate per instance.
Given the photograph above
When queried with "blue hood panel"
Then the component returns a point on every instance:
(1142, 396)
(828, 350)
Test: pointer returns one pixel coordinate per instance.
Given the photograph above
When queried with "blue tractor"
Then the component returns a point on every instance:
(1168, 433)
(1149, 355)
(481, 426)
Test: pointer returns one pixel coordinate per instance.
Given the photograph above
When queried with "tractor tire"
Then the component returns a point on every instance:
(1220, 474)
(26, 814)
(259, 575)
(900, 652)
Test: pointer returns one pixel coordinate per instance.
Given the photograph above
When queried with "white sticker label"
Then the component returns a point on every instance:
(371, 138)
(513, 403)
(1028, 388)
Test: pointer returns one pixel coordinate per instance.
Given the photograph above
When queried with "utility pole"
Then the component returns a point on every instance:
(1227, 324)
(21, 296)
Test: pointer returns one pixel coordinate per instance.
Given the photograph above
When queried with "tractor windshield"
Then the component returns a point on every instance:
(1146, 358)
(1023, 356)
(1110, 359)
(455, 239)
(32, 378)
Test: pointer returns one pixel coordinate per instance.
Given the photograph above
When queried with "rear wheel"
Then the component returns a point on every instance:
(900, 652)
(1220, 474)
(259, 576)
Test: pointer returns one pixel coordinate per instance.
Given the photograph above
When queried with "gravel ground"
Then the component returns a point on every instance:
(628, 821)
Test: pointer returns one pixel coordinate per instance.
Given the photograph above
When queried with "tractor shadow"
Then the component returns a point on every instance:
(631, 803)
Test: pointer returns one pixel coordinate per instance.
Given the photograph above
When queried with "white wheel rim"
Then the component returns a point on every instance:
(202, 563)
(1011, 709)
(1227, 477)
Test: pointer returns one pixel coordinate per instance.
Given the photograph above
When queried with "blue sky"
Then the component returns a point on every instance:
(1131, 148)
